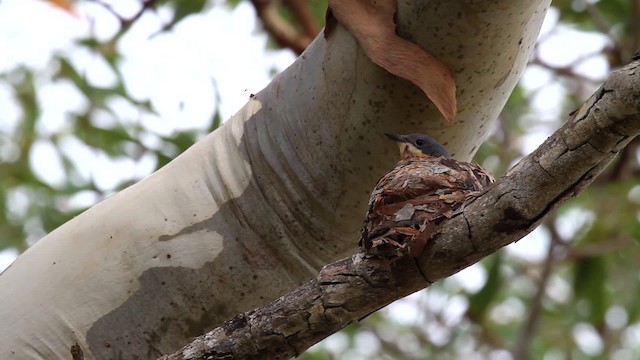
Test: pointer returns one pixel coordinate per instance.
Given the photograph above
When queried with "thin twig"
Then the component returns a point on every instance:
(528, 331)
(601, 23)
(124, 22)
(568, 70)
(300, 10)
(599, 248)
(282, 32)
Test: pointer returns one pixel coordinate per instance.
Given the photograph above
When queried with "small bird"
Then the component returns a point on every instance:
(410, 203)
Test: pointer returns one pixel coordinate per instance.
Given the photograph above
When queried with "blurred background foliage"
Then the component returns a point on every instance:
(575, 299)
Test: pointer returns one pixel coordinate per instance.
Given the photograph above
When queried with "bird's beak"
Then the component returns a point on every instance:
(395, 137)
(404, 146)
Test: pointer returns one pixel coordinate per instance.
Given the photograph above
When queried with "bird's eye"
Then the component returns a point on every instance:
(419, 142)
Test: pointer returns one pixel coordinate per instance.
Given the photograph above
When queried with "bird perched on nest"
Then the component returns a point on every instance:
(410, 203)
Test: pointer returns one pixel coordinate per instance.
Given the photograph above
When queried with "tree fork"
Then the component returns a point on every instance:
(349, 289)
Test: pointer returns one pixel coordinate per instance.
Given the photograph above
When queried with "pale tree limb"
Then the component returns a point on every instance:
(352, 288)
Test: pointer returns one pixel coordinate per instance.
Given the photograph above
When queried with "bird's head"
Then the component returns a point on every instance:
(418, 145)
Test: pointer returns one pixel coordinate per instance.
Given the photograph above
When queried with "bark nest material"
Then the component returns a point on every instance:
(412, 201)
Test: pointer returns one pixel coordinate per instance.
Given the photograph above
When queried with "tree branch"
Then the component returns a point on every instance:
(302, 14)
(285, 34)
(527, 333)
(127, 22)
(352, 288)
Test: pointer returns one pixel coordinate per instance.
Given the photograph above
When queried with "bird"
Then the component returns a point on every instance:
(411, 202)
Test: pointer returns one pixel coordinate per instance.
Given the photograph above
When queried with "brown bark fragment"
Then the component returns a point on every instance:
(372, 23)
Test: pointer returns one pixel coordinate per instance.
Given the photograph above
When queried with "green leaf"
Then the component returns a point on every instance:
(232, 4)
(589, 285)
(182, 9)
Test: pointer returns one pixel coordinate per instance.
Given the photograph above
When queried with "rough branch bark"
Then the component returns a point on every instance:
(352, 288)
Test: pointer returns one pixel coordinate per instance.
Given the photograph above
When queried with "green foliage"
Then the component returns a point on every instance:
(589, 284)
(581, 14)
(34, 206)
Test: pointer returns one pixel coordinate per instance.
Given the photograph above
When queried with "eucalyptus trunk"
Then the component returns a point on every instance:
(258, 206)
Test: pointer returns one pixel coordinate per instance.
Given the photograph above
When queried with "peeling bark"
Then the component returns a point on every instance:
(352, 288)
(372, 24)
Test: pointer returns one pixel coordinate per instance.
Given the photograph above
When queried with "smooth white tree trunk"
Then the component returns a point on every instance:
(256, 207)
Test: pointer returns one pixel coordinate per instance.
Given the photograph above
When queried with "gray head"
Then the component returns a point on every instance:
(418, 145)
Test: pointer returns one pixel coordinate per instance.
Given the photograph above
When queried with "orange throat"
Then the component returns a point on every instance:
(408, 150)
